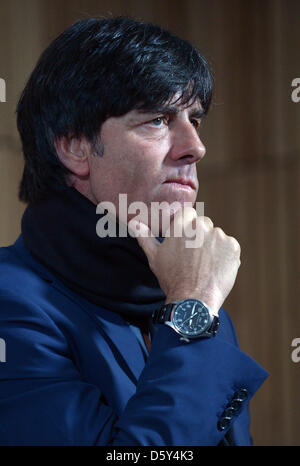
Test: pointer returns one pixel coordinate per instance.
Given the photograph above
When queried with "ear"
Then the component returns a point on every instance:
(74, 154)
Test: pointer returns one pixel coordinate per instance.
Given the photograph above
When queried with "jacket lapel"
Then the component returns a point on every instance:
(122, 340)
(112, 326)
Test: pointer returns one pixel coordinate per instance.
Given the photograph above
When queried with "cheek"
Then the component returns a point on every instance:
(147, 176)
(149, 155)
(130, 166)
(142, 164)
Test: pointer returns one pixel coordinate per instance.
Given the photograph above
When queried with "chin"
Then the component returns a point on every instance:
(160, 220)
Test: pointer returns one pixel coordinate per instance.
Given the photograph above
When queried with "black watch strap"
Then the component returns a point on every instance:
(214, 326)
(163, 314)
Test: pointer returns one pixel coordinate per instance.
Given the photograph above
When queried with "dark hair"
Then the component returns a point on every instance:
(96, 69)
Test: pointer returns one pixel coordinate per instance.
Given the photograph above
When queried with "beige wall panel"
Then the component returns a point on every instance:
(259, 206)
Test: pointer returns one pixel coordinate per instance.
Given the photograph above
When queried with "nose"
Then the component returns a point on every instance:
(186, 144)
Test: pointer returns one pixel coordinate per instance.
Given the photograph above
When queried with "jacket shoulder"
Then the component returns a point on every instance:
(17, 276)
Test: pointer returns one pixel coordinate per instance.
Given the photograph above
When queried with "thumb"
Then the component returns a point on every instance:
(145, 237)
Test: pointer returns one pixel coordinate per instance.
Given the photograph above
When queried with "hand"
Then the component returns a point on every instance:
(207, 272)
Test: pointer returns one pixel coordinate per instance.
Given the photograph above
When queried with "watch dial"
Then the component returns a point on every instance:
(191, 318)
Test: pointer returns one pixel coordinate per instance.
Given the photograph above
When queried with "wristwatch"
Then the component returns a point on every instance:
(191, 318)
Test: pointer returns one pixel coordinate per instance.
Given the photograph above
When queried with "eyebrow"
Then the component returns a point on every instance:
(174, 110)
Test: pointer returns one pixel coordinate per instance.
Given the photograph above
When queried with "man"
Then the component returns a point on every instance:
(113, 107)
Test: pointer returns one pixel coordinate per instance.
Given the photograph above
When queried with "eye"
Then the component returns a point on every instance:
(196, 123)
(158, 121)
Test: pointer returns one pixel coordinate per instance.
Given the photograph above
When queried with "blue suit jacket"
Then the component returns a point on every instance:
(76, 374)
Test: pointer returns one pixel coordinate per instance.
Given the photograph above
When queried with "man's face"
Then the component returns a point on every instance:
(144, 152)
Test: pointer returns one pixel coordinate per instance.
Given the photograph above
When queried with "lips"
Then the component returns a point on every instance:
(182, 181)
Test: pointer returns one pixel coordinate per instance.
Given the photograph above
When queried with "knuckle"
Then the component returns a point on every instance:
(186, 214)
(208, 222)
(199, 221)
(189, 210)
(203, 223)
(235, 244)
(181, 216)
(219, 232)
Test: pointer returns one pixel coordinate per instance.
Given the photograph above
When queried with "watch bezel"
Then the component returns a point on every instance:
(187, 335)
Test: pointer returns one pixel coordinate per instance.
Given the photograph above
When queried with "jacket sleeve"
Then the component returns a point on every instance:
(184, 390)
(180, 395)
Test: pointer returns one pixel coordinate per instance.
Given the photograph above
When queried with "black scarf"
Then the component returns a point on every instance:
(113, 273)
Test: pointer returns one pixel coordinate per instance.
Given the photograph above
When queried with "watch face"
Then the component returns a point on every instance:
(191, 318)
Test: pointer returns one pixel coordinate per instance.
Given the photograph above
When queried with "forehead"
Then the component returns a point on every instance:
(179, 100)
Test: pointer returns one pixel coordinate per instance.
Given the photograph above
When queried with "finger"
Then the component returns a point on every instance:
(182, 216)
(235, 245)
(202, 223)
(208, 222)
